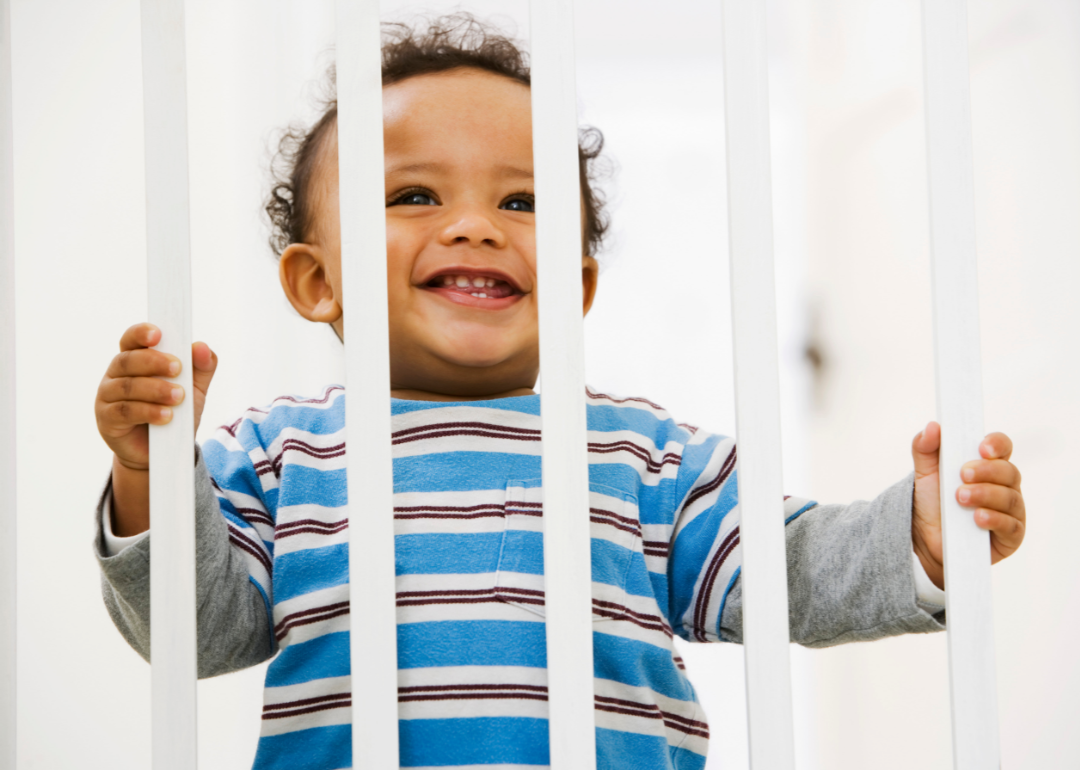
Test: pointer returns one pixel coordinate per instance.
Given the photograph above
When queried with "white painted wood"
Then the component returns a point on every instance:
(567, 544)
(969, 600)
(757, 386)
(8, 498)
(172, 475)
(373, 641)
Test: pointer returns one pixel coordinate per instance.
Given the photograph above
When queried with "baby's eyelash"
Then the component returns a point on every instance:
(528, 197)
(401, 195)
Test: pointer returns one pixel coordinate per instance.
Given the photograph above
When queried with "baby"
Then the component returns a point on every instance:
(273, 524)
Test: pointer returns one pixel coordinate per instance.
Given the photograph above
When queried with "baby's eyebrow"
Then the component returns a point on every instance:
(412, 168)
(510, 172)
(515, 172)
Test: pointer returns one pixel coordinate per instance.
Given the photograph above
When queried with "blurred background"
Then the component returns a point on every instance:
(849, 181)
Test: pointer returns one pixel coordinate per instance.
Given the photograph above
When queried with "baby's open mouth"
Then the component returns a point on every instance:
(479, 286)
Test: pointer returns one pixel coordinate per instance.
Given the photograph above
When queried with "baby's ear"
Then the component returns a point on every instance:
(305, 282)
(590, 276)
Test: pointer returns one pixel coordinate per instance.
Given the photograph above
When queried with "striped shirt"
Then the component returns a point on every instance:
(468, 506)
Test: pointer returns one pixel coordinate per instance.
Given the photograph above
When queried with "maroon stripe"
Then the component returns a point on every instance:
(705, 593)
(312, 611)
(639, 452)
(322, 400)
(306, 701)
(623, 527)
(446, 433)
(492, 599)
(526, 591)
(450, 687)
(480, 425)
(618, 612)
(312, 530)
(448, 508)
(630, 712)
(447, 592)
(309, 710)
(241, 542)
(492, 514)
(474, 696)
(254, 514)
(670, 720)
(721, 477)
(612, 399)
(313, 523)
(612, 514)
(295, 443)
(518, 512)
(687, 426)
(291, 624)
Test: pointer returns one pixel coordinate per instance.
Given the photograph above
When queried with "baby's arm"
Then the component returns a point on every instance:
(850, 574)
(233, 627)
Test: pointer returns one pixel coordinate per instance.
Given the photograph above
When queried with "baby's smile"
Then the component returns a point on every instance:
(484, 289)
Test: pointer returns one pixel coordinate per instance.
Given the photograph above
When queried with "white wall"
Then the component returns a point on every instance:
(851, 240)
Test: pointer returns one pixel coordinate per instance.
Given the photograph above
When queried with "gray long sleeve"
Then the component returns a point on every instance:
(234, 630)
(850, 576)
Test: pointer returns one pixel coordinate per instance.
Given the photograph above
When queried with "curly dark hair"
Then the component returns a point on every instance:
(446, 43)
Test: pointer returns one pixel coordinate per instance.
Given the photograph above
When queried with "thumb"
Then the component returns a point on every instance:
(924, 450)
(204, 363)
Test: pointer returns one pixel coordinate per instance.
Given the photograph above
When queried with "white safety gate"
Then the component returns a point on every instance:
(565, 470)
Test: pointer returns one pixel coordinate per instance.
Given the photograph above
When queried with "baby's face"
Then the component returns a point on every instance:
(461, 240)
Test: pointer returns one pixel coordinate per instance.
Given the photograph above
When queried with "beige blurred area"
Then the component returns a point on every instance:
(853, 287)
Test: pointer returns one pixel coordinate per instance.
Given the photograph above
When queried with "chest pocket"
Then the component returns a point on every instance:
(616, 538)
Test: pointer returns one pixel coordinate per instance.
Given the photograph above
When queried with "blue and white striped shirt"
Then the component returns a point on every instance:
(470, 589)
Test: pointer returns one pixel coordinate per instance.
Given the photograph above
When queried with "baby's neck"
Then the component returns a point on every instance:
(423, 395)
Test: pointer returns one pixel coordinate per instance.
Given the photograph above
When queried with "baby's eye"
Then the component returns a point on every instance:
(527, 205)
(414, 199)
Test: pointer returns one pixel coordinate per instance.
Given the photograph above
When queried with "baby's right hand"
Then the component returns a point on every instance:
(132, 395)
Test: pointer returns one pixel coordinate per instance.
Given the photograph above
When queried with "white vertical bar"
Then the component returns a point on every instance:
(969, 600)
(172, 476)
(373, 640)
(8, 498)
(567, 544)
(757, 386)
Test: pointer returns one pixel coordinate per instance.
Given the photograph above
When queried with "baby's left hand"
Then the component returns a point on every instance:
(991, 486)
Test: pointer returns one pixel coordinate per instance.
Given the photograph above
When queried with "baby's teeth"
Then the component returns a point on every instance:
(447, 280)
(489, 282)
(478, 282)
(482, 295)
(462, 281)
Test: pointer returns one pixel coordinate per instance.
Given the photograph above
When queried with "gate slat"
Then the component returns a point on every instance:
(8, 497)
(172, 473)
(969, 600)
(567, 552)
(757, 386)
(373, 624)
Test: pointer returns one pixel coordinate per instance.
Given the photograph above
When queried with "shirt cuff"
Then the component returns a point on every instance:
(114, 544)
(927, 595)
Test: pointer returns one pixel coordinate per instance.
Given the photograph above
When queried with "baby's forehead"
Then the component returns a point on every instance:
(459, 107)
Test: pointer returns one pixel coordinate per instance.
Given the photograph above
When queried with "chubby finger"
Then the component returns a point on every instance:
(204, 363)
(149, 389)
(993, 497)
(996, 446)
(144, 335)
(1006, 532)
(1000, 472)
(118, 417)
(143, 362)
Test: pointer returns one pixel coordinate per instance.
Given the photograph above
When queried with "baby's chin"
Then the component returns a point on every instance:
(464, 368)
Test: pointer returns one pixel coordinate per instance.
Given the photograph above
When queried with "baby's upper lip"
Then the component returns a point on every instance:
(472, 272)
